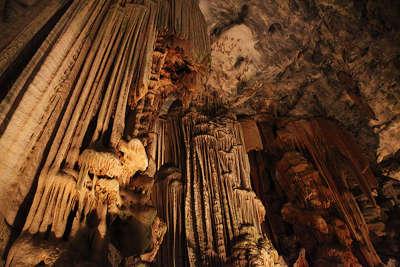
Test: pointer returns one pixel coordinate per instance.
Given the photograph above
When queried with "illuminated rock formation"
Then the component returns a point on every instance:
(199, 133)
(341, 167)
(219, 199)
(325, 190)
(251, 249)
(69, 118)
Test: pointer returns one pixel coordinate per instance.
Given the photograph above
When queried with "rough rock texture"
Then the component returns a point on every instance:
(290, 60)
(318, 183)
(305, 58)
(264, 133)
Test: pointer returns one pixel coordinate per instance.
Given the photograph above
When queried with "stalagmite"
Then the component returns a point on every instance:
(253, 250)
(29, 255)
(301, 260)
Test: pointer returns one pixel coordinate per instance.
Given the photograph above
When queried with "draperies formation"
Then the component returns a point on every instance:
(67, 119)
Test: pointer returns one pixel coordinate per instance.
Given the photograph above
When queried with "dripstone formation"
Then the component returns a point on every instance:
(198, 133)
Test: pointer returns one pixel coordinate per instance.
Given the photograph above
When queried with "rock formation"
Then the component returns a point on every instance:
(67, 114)
(199, 133)
(219, 199)
(323, 187)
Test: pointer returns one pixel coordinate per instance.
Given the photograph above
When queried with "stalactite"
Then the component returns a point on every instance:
(73, 111)
(10, 53)
(72, 187)
(251, 136)
(178, 20)
(168, 198)
(168, 141)
(94, 42)
(87, 113)
(331, 150)
(301, 260)
(30, 103)
(219, 199)
(60, 208)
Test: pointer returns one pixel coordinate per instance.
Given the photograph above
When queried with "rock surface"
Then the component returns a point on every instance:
(306, 58)
(200, 132)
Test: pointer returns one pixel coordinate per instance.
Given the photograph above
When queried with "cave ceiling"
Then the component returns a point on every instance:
(301, 59)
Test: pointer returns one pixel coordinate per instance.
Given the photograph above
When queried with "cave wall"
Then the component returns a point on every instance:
(199, 133)
(307, 58)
